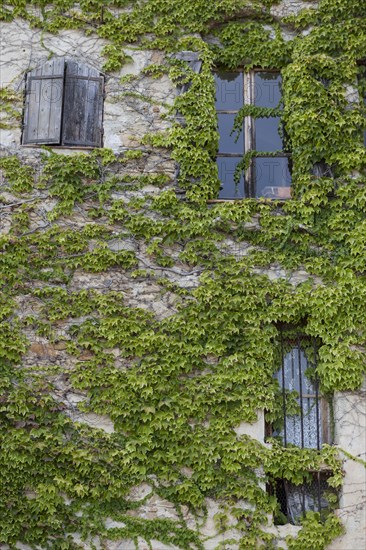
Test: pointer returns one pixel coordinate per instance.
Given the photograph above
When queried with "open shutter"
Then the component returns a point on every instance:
(43, 103)
(83, 106)
(194, 63)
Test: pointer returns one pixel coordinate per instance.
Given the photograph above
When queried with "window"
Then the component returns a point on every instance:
(304, 419)
(63, 105)
(295, 500)
(304, 422)
(261, 138)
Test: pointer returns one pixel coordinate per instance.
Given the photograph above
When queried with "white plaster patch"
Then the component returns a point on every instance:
(112, 524)
(254, 430)
(102, 422)
(350, 435)
(139, 492)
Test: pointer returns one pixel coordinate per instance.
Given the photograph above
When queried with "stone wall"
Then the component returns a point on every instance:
(350, 436)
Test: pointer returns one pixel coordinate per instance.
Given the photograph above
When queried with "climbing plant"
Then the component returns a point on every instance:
(177, 388)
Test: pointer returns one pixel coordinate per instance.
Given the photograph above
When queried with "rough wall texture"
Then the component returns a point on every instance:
(127, 118)
(350, 428)
(22, 50)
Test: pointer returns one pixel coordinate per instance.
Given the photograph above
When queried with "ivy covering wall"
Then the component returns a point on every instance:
(189, 379)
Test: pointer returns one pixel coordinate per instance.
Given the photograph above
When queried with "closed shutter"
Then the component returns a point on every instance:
(83, 106)
(43, 103)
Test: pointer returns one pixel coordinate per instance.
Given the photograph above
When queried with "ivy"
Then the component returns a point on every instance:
(315, 534)
(18, 177)
(9, 106)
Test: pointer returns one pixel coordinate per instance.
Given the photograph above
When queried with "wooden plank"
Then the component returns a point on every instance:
(195, 66)
(43, 103)
(83, 106)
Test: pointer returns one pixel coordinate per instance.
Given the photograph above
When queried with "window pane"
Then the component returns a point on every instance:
(272, 177)
(308, 425)
(295, 500)
(267, 137)
(227, 142)
(267, 89)
(294, 362)
(229, 91)
(303, 429)
(229, 189)
(305, 497)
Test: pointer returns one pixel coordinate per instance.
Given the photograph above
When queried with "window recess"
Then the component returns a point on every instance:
(63, 105)
(295, 500)
(252, 159)
(303, 421)
(304, 418)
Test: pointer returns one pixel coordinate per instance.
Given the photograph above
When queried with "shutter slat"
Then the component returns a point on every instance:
(43, 104)
(83, 106)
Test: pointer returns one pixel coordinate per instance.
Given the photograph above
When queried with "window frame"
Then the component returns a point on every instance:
(296, 339)
(249, 138)
(64, 81)
(309, 495)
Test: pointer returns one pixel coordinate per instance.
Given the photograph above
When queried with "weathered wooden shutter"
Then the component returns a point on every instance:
(83, 106)
(43, 103)
(194, 63)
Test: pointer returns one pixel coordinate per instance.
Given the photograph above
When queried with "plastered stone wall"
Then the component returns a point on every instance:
(350, 436)
(23, 48)
(126, 120)
(291, 7)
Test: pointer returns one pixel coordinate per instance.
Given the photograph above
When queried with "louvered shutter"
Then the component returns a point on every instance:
(43, 103)
(83, 106)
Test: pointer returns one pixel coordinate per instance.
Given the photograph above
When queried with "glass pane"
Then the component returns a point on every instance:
(229, 189)
(292, 362)
(227, 142)
(295, 500)
(303, 498)
(267, 89)
(302, 432)
(309, 423)
(229, 91)
(267, 137)
(272, 177)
